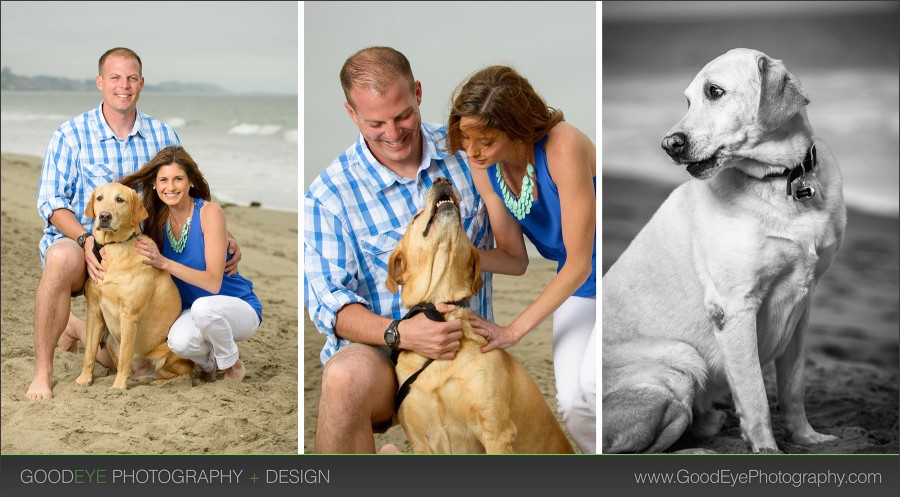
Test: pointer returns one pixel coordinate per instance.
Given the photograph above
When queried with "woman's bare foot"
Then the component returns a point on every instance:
(208, 376)
(236, 372)
(390, 449)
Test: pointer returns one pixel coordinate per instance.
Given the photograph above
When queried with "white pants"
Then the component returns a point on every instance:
(575, 365)
(206, 333)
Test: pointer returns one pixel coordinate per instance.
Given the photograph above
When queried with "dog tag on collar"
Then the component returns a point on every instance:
(804, 192)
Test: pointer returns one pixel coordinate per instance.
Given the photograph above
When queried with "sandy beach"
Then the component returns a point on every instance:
(511, 296)
(182, 416)
(851, 374)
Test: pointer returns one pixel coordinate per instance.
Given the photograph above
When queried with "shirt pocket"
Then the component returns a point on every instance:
(96, 173)
(377, 252)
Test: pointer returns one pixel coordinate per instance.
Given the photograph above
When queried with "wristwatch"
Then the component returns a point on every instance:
(392, 334)
(83, 238)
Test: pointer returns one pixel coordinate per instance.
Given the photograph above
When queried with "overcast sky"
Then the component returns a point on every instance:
(240, 46)
(691, 10)
(553, 44)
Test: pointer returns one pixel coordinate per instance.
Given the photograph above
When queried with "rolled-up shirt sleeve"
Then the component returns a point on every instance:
(330, 266)
(59, 176)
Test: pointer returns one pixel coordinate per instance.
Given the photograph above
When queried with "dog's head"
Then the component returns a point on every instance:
(734, 103)
(116, 210)
(435, 261)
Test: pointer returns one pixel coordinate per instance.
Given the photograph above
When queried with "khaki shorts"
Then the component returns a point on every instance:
(385, 353)
(80, 292)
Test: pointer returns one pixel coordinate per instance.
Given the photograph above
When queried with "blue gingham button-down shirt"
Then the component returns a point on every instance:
(83, 154)
(355, 213)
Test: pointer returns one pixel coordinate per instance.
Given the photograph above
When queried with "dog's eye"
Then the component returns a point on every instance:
(120, 199)
(99, 198)
(714, 92)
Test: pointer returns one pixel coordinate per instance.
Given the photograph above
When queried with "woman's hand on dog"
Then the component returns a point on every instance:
(432, 339)
(151, 252)
(498, 337)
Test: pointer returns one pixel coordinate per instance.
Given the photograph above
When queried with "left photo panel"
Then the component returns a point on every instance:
(150, 229)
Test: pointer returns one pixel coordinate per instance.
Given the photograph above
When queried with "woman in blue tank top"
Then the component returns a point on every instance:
(219, 308)
(537, 176)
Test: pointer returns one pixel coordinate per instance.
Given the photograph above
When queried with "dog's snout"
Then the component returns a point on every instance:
(105, 217)
(674, 144)
(442, 180)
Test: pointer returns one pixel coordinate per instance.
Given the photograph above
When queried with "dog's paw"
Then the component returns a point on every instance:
(84, 380)
(709, 424)
(695, 451)
(117, 385)
(769, 451)
(811, 437)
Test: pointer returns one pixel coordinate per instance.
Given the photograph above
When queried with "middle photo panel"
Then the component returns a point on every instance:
(449, 227)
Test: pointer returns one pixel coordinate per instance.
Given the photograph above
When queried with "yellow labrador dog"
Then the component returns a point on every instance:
(721, 278)
(477, 402)
(136, 302)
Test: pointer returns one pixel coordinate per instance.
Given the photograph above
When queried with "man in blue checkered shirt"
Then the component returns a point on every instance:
(89, 150)
(355, 213)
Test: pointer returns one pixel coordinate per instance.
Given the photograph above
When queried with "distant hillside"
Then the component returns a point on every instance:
(10, 81)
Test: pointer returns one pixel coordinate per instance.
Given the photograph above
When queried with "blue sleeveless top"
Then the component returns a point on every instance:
(194, 256)
(543, 225)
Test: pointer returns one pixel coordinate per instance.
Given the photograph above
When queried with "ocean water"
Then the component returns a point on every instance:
(246, 146)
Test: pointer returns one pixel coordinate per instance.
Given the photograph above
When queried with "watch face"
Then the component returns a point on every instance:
(391, 337)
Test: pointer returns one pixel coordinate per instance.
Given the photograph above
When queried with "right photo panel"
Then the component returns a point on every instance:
(750, 227)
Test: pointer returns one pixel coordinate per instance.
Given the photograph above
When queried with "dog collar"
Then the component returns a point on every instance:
(98, 245)
(459, 303)
(804, 191)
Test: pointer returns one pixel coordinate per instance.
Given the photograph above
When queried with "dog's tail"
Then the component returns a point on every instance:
(167, 364)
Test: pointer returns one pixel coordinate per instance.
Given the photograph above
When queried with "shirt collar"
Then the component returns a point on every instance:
(380, 177)
(106, 131)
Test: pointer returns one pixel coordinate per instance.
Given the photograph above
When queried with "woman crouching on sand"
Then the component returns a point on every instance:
(537, 176)
(218, 309)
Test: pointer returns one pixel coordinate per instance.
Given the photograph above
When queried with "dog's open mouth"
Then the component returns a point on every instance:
(443, 203)
(702, 169)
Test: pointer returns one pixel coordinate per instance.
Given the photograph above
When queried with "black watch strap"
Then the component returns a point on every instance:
(83, 238)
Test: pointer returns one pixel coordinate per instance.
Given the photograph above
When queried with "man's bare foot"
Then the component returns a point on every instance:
(40, 388)
(389, 449)
(208, 376)
(236, 372)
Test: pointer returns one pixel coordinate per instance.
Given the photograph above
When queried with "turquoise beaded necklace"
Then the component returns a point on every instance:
(519, 205)
(178, 245)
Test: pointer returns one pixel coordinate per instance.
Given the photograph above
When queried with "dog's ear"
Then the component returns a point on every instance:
(138, 212)
(89, 208)
(477, 280)
(395, 269)
(780, 94)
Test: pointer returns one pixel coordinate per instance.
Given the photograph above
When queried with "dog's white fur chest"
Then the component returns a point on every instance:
(764, 261)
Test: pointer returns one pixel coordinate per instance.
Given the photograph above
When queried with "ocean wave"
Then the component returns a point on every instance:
(30, 116)
(254, 129)
(291, 136)
(176, 122)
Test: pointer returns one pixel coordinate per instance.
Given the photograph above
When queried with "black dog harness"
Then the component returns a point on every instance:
(804, 191)
(432, 314)
(98, 245)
